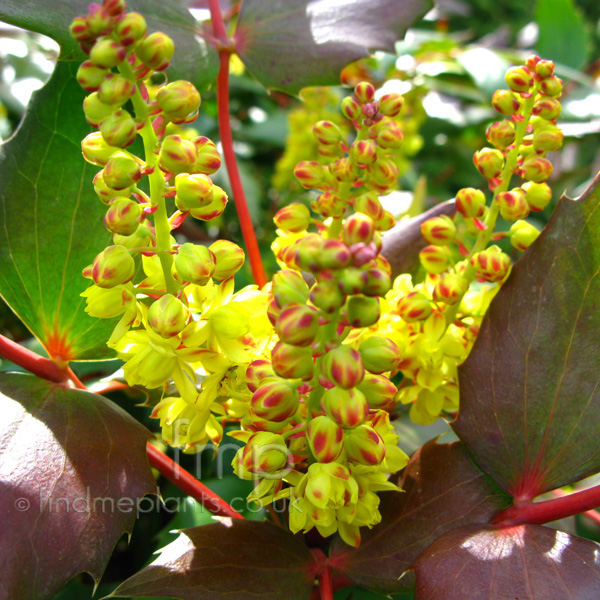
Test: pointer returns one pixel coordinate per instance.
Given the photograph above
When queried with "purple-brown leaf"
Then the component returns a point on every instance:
(530, 393)
(443, 490)
(228, 560)
(72, 466)
(527, 562)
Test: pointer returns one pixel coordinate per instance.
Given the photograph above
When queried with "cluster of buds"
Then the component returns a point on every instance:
(183, 319)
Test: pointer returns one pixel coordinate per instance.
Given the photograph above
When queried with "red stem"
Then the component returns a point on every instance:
(592, 515)
(325, 584)
(189, 484)
(537, 513)
(239, 197)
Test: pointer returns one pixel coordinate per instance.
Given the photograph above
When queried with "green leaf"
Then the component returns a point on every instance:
(73, 466)
(562, 36)
(291, 45)
(229, 560)
(530, 394)
(528, 562)
(443, 489)
(194, 59)
(52, 222)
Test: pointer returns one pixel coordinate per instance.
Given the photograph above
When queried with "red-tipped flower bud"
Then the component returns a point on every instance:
(156, 51)
(470, 202)
(364, 152)
(294, 217)
(536, 169)
(344, 366)
(489, 162)
(327, 296)
(544, 68)
(194, 263)
(551, 86)
(123, 216)
(275, 400)
(229, 257)
(325, 438)
(292, 362)
(179, 101)
(257, 371)
(113, 266)
(309, 174)
(390, 105)
(450, 289)
(358, 228)
(115, 90)
(548, 139)
(329, 205)
(362, 311)
(131, 28)
(491, 264)
(538, 195)
(95, 110)
(308, 252)
(505, 102)
(265, 455)
(351, 109)
(119, 129)
(98, 19)
(390, 135)
(414, 307)
(168, 316)
(547, 108)
(439, 231)
(513, 204)
(327, 132)
(90, 77)
(379, 354)
(379, 391)
(519, 79)
(522, 235)
(334, 255)
(288, 287)
(177, 155)
(106, 53)
(343, 170)
(208, 161)
(363, 445)
(297, 324)
(114, 7)
(214, 209)
(121, 171)
(364, 92)
(501, 134)
(378, 283)
(435, 259)
(352, 280)
(80, 29)
(348, 408)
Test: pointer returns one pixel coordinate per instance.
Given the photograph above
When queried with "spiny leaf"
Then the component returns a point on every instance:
(530, 393)
(72, 467)
(291, 45)
(229, 560)
(443, 490)
(528, 562)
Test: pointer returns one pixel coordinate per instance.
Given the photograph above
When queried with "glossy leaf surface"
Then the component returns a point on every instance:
(291, 45)
(528, 562)
(72, 466)
(443, 490)
(228, 560)
(530, 393)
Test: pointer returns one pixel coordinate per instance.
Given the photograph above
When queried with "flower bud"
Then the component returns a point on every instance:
(522, 235)
(95, 110)
(264, 455)
(544, 68)
(505, 102)
(362, 311)
(439, 231)
(364, 152)
(292, 362)
(532, 61)
(214, 209)
(115, 90)
(273, 312)
(168, 316)
(384, 173)
(343, 170)
(379, 354)
(536, 169)
(326, 295)
(156, 51)
(327, 132)
(121, 171)
(351, 109)
(357, 228)
(98, 19)
(344, 366)
(364, 92)
(547, 139)
(390, 105)
(500, 134)
(288, 287)
(334, 255)
(390, 136)
(325, 439)
(130, 28)
(363, 445)
(193, 191)
(489, 162)
(106, 194)
(297, 324)
(547, 108)
(229, 258)
(256, 371)
(513, 204)
(491, 264)
(551, 86)
(351, 280)
(470, 202)
(177, 155)
(308, 252)
(90, 77)
(294, 217)
(194, 263)
(119, 129)
(378, 283)
(208, 161)
(113, 266)
(123, 216)
(309, 174)
(107, 53)
(379, 391)
(415, 306)
(104, 303)
(329, 205)
(519, 79)
(140, 237)
(179, 100)
(95, 150)
(450, 289)
(538, 195)
(275, 400)
(435, 259)
(114, 8)
(80, 29)
(348, 408)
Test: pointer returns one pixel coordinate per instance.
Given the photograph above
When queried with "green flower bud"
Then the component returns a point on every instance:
(536, 169)
(501, 134)
(547, 108)
(439, 231)
(491, 264)
(292, 362)
(115, 90)
(106, 194)
(140, 238)
(435, 259)
(177, 155)
(362, 311)
(379, 354)
(489, 162)
(414, 307)
(352, 280)
(364, 152)
(327, 132)
(297, 324)
(470, 202)
(105, 303)
(547, 139)
(288, 287)
(364, 446)
(80, 29)
(119, 129)
(544, 68)
(95, 110)
(130, 28)
(95, 150)
(308, 252)
(194, 263)
(334, 255)
(113, 266)
(275, 400)
(364, 92)
(98, 19)
(123, 216)
(193, 191)
(344, 366)
(522, 235)
(309, 174)
(538, 195)
(343, 170)
(450, 289)
(256, 371)
(505, 102)
(90, 77)
(179, 101)
(325, 439)
(156, 51)
(513, 204)
(379, 391)
(208, 161)
(519, 79)
(390, 136)
(329, 205)
(378, 283)
(214, 209)
(384, 173)
(348, 408)
(121, 171)
(551, 86)
(168, 316)
(264, 455)
(327, 296)
(390, 105)
(295, 217)
(358, 228)
(114, 8)
(107, 53)
(229, 258)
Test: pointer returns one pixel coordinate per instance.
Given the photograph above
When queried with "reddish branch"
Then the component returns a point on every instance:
(224, 45)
